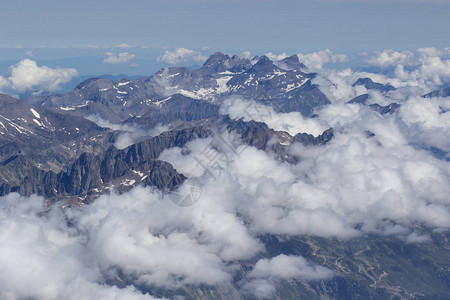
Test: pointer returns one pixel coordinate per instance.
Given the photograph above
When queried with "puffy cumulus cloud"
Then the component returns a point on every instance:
(288, 266)
(292, 122)
(4, 83)
(121, 58)
(246, 54)
(139, 237)
(266, 273)
(357, 183)
(389, 57)
(159, 244)
(426, 67)
(181, 55)
(338, 86)
(368, 184)
(42, 258)
(433, 72)
(26, 75)
(148, 246)
(368, 179)
(84, 290)
(427, 122)
(316, 60)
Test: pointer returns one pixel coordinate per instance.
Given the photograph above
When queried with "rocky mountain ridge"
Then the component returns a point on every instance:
(221, 76)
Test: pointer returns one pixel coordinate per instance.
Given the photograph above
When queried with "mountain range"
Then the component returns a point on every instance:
(67, 148)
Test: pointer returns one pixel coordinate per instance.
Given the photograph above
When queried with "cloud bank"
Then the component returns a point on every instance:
(26, 75)
(44, 255)
(425, 66)
(292, 122)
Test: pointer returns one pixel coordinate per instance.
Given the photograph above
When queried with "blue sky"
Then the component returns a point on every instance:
(80, 33)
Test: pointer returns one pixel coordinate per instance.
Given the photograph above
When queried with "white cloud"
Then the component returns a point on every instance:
(161, 244)
(121, 58)
(29, 53)
(276, 57)
(388, 57)
(292, 122)
(246, 54)
(433, 72)
(130, 133)
(425, 67)
(181, 55)
(288, 266)
(266, 273)
(427, 122)
(41, 258)
(85, 290)
(352, 180)
(4, 83)
(316, 60)
(391, 57)
(26, 75)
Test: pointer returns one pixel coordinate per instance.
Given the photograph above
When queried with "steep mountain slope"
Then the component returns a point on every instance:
(174, 108)
(51, 135)
(91, 175)
(362, 99)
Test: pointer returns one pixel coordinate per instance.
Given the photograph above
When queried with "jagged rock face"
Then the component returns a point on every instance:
(173, 108)
(385, 109)
(93, 174)
(281, 84)
(84, 175)
(284, 90)
(219, 62)
(291, 63)
(253, 133)
(260, 136)
(370, 85)
(46, 133)
(362, 99)
(445, 92)
(310, 140)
